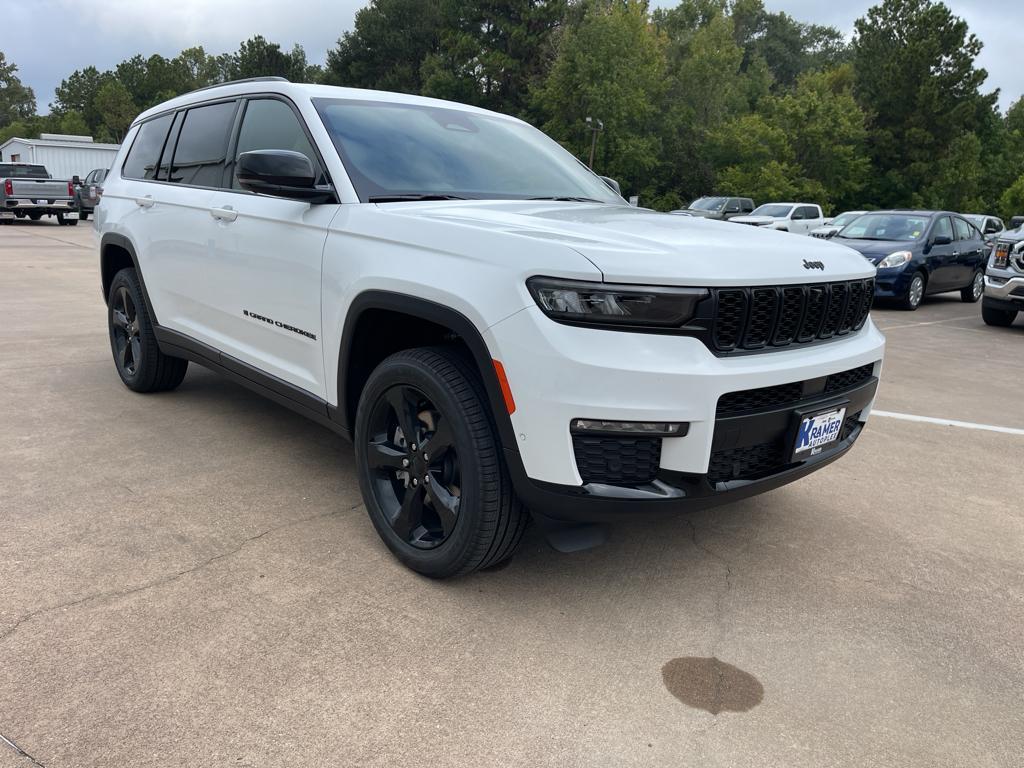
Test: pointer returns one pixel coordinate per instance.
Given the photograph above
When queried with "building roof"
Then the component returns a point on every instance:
(62, 143)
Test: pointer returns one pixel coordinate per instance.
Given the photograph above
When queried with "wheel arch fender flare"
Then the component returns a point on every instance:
(112, 244)
(433, 312)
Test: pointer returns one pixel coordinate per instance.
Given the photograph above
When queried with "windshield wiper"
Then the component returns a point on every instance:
(568, 199)
(406, 198)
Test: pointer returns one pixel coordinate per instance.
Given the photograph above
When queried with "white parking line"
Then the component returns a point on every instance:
(949, 422)
(929, 322)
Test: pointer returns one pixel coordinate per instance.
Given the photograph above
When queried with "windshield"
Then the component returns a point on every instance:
(844, 218)
(708, 204)
(9, 171)
(774, 210)
(408, 151)
(886, 226)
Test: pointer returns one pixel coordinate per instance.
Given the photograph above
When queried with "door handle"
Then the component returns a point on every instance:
(144, 202)
(227, 213)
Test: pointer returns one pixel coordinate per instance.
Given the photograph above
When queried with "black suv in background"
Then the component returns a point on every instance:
(918, 253)
(721, 208)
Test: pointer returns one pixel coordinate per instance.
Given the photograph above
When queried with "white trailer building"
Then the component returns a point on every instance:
(64, 156)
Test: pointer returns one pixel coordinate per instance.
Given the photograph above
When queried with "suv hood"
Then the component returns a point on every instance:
(635, 245)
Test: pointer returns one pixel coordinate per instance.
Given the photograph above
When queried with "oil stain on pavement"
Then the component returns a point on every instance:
(711, 685)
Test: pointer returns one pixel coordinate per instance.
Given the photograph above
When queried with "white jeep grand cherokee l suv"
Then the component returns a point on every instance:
(498, 332)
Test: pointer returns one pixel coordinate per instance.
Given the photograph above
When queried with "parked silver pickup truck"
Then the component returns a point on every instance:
(27, 190)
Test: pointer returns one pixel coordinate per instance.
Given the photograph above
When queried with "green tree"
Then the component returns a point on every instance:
(17, 101)
(915, 75)
(258, 57)
(1011, 203)
(118, 110)
(77, 93)
(611, 66)
(387, 45)
(491, 51)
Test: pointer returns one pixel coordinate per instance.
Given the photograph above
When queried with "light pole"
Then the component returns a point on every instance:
(595, 127)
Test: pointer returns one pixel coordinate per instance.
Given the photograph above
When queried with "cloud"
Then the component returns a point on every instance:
(49, 39)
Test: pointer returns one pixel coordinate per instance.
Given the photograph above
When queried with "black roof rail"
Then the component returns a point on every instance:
(270, 79)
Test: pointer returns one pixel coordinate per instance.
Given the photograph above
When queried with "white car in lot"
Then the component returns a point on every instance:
(832, 226)
(797, 218)
(498, 332)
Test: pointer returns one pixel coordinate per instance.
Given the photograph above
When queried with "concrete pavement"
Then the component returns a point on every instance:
(189, 579)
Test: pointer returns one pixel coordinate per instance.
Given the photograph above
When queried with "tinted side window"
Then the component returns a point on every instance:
(164, 171)
(144, 154)
(810, 212)
(943, 227)
(747, 205)
(201, 150)
(993, 225)
(964, 231)
(271, 124)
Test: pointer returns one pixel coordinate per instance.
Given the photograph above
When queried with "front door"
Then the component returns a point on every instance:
(942, 257)
(268, 259)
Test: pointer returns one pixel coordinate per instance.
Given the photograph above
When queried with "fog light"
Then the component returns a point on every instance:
(636, 428)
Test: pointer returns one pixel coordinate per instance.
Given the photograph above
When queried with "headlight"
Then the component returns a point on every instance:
(897, 259)
(586, 303)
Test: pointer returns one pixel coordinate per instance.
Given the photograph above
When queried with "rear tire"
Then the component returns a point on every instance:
(973, 292)
(1002, 318)
(137, 356)
(445, 510)
(915, 293)
(83, 215)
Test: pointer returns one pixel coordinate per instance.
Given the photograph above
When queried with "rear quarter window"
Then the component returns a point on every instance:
(144, 155)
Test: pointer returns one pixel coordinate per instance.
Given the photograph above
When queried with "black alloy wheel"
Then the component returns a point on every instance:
(137, 356)
(431, 466)
(124, 331)
(416, 475)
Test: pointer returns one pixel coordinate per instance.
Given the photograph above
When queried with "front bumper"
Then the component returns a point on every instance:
(893, 283)
(558, 373)
(1004, 285)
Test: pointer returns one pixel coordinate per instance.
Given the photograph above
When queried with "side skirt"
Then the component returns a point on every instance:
(281, 392)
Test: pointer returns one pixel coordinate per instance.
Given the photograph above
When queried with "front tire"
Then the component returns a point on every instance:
(431, 468)
(915, 292)
(973, 292)
(1001, 318)
(137, 356)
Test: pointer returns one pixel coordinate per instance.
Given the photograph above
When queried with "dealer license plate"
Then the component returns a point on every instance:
(41, 202)
(818, 431)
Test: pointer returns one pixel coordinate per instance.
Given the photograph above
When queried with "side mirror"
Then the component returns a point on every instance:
(613, 184)
(279, 172)
(732, 209)
(942, 240)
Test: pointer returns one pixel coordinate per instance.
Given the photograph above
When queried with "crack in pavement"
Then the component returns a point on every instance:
(118, 593)
(19, 751)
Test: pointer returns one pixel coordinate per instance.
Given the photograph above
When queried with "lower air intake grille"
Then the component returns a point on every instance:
(617, 460)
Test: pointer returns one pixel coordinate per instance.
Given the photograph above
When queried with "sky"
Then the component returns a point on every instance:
(49, 39)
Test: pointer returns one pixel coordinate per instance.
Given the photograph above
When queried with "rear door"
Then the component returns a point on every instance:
(268, 258)
(941, 260)
(970, 251)
(177, 208)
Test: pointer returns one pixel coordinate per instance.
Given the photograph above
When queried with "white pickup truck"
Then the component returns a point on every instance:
(798, 218)
(28, 190)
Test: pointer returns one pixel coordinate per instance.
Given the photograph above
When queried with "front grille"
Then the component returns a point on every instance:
(844, 380)
(768, 317)
(747, 463)
(736, 403)
(756, 461)
(764, 398)
(617, 460)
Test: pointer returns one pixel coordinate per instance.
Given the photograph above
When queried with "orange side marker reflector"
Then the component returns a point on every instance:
(506, 390)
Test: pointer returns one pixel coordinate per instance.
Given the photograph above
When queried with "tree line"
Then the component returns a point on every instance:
(710, 96)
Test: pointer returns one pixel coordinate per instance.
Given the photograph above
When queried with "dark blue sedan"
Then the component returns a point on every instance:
(919, 253)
